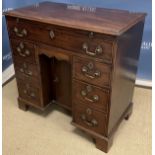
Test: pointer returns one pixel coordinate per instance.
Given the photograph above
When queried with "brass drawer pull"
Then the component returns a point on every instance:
(91, 123)
(28, 72)
(21, 33)
(56, 80)
(52, 35)
(25, 70)
(91, 35)
(90, 72)
(32, 94)
(95, 98)
(22, 52)
(85, 92)
(29, 93)
(98, 50)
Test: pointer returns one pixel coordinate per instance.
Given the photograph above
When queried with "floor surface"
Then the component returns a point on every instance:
(51, 133)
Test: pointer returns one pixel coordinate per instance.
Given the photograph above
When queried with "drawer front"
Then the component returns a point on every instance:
(91, 71)
(95, 97)
(23, 50)
(90, 119)
(89, 43)
(29, 92)
(26, 70)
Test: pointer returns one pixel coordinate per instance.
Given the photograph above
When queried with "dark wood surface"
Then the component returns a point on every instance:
(107, 21)
(26, 69)
(29, 92)
(27, 47)
(81, 58)
(101, 118)
(104, 78)
(62, 81)
(66, 38)
(103, 95)
(125, 69)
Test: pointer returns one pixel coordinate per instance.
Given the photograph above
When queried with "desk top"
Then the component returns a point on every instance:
(107, 21)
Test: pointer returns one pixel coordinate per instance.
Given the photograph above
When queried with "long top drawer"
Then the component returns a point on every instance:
(92, 44)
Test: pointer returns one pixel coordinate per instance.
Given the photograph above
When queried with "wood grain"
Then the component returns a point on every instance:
(103, 94)
(113, 22)
(65, 38)
(82, 58)
(103, 80)
(101, 119)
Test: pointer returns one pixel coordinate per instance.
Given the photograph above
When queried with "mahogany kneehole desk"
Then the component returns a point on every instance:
(82, 58)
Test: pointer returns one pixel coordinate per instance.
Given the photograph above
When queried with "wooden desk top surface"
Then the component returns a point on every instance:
(108, 21)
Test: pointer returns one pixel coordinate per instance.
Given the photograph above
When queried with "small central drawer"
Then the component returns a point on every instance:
(90, 95)
(84, 42)
(92, 71)
(89, 118)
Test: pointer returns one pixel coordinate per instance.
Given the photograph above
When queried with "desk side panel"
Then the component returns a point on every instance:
(124, 73)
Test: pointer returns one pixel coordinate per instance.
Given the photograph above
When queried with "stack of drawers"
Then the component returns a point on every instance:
(91, 90)
(26, 68)
(27, 75)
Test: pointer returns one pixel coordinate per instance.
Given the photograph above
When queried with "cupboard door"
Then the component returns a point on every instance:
(62, 82)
